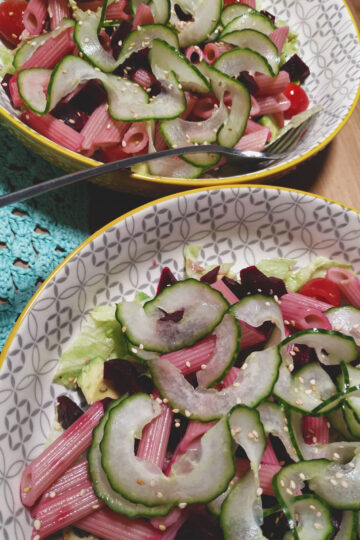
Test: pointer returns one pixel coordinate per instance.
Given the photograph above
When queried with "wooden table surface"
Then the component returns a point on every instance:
(333, 173)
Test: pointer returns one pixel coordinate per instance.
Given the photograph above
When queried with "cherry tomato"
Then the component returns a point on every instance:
(298, 99)
(11, 20)
(322, 289)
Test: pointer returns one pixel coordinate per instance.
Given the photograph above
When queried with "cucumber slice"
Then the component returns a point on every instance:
(30, 46)
(349, 526)
(203, 310)
(351, 421)
(341, 451)
(345, 319)
(308, 516)
(252, 386)
(174, 167)
(233, 11)
(253, 21)
(331, 347)
(275, 422)
(308, 389)
(235, 124)
(142, 482)
(205, 16)
(337, 421)
(101, 485)
(257, 42)
(32, 85)
(257, 309)
(169, 59)
(237, 60)
(143, 37)
(344, 480)
(227, 346)
(159, 8)
(179, 132)
(241, 512)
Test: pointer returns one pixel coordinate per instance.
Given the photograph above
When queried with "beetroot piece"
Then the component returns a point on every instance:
(234, 287)
(68, 412)
(89, 97)
(200, 527)
(121, 376)
(119, 36)
(296, 68)
(248, 81)
(5, 84)
(268, 15)
(166, 278)
(70, 115)
(175, 317)
(211, 276)
(181, 14)
(255, 282)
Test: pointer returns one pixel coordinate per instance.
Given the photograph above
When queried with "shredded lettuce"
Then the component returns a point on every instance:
(268, 121)
(290, 46)
(6, 60)
(283, 269)
(194, 270)
(100, 336)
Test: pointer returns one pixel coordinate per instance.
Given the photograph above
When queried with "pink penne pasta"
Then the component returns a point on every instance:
(163, 523)
(58, 10)
(160, 143)
(250, 336)
(251, 3)
(135, 138)
(273, 104)
(347, 283)
(212, 51)
(253, 141)
(269, 457)
(255, 107)
(266, 475)
(155, 436)
(74, 476)
(101, 130)
(191, 100)
(307, 317)
(279, 119)
(53, 129)
(117, 11)
(225, 291)
(56, 513)
(278, 37)
(205, 106)
(230, 377)
(112, 526)
(143, 77)
(194, 54)
(272, 86)
(190, 359)
(34, 16)
(55, 459)
(315, 430)
(172, 530)
(143, 15)
(291, 302)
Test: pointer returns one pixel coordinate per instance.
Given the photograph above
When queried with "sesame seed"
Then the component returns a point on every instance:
(286, 429)
(162, 527)
(14, 36)
(37, 537)
(140, 482)
(244, 366)
(259, 492)
(152, 483)
(37, 524)
(288, 490)
(282, 483)
(291, 367)
(292, 484)
(123, 144)
(159, 494)
(182, 505)
(318, 514)
(312, 507)
(301, 380)
(238, 401)
(335, 456)
(71, 121)
(95, 506)
(82, 493)
(314, 440)
(159, 400)
(333, 481)
(165, 400)
(133, 350)
(52, 494)
(299, 402)
(26, 490)
(236, 384)
(123, 329)
(86, 40)
(203, 366)
(187, 363)
(344, 483)
(187, 413)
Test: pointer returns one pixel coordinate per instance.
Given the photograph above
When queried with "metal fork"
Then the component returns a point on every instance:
(276, 151)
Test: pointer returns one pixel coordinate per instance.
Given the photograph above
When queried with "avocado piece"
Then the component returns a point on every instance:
(92, 384)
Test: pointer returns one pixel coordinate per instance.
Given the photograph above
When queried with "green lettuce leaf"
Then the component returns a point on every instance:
(6, 60)
(283, 269)
(100, 336)
(194, 270)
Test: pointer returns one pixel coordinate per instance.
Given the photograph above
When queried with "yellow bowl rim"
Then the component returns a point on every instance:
(183, 183)
(116, 221)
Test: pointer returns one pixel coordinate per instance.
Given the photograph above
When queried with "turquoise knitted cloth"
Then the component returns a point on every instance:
(36, 235)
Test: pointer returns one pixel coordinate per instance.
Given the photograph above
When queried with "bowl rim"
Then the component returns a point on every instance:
(116, 221)
(183, 183)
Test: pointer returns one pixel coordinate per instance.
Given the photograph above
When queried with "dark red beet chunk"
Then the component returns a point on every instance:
(166, 278)
(268, 15)
(119, 36)
(68, 412)
(181, 14)
(5, 84)
(200, 527)
(248, 81)
(234, 287)
(175, 316)
(89, 98)
(296, 68)
(121, 376)
(70, 115)
(255, 282)
(211, 276)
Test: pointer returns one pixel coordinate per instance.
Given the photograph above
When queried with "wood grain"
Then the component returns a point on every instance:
(334, 172)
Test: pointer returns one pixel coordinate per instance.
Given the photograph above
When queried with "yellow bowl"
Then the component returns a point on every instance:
(326, 30)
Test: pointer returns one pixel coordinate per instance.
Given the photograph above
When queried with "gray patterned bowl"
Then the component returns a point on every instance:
(329, 44)
(234, 224)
